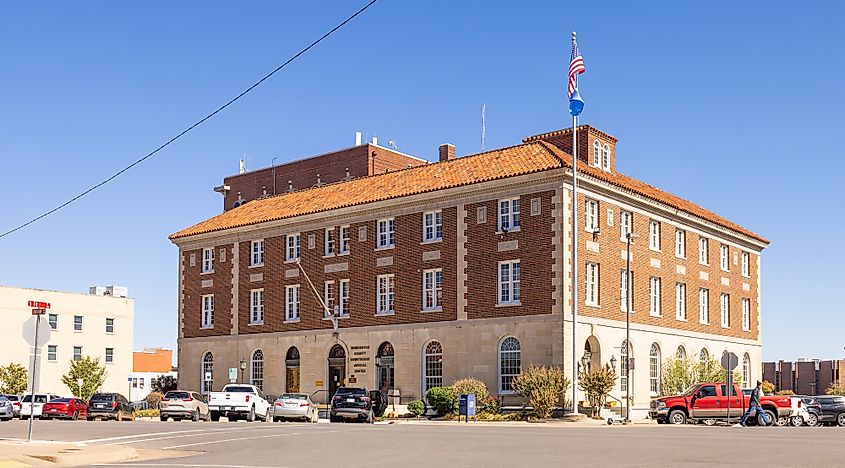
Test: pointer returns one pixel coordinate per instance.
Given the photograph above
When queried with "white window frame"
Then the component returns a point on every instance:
(54, 324)
(81, 323)
(725, 310)
(591, 215)
(724, 258)
(703, 306)
(52, 353)
(78, 357)
(292, 303)
(509, 282)
(109, 358)
(343, 247)
(596, 154)
(432, 287)
(256, 253)
(624, 281)
(386, 294)
(654, 306)
(293, 247)
(329, 242)
(704, 251)
(746, 314)
(654, 371)
(654, 235)
(512, 355)
(626, 225)
(605, 157)
(208, 260)
(432, 226)
(386, 233)
(509, 214)
(680, 243)
(329, 297)
(591, 284)
(746, 270)
(343, 297)
(109, 332)
(681, 301)
(207, 311)
(256, 306)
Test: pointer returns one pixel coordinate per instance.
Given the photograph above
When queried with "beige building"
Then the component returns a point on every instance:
(97, 325)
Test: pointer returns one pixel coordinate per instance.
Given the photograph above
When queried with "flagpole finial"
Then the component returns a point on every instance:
(573, 37)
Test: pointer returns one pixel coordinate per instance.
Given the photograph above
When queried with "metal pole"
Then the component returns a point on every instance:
(273, 163)
(628, 329)
(574, 263)
(32, 387)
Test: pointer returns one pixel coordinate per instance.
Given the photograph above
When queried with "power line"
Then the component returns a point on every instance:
(195, 125)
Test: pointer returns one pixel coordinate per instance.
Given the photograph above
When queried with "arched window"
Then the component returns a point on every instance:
(292, 370)
(623, 365)
(510, 363)
(654, 369)
(681, 353)
(597, 153)
(385, 367)
(257, 374)
(432, 366)
(207, 376)
(704, 356)
(746, 371)
(605, 157)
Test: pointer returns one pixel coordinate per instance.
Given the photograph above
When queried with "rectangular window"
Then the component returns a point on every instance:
(141, 382)
(680, 243)
(385, 294)
(746, 314)
(329, 243)
(703, 251)
(109, 325)
(432, 226)
(257, 249)
(292, 247)
(626, 223)
(591, 215)
(725, 310)
(292, 302)
(256, 306)
(509, 214)
(723, 258)
(703, 306)
(681, 301)
(328, 298)
(207, 316)
(54, 321)
(344, 240)
(77, 323)
(344, 297)
(654, 296)
(208, 260)
(509, 282)
(77, 353)
(109, 355)
(592, 284)
(745, 269)
(135, 382)
(654, 235)
(623, 290)
(52, 352)
(432, 289)
(385, 234)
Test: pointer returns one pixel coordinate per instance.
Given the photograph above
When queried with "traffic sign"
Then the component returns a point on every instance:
(129, 379)
(233, 374)
(38, 304)
(729, 361)
(28, 331)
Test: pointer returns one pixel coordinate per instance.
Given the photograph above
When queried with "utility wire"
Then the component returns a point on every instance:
(195, 125)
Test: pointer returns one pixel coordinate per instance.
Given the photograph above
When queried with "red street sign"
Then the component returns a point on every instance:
(38, 304)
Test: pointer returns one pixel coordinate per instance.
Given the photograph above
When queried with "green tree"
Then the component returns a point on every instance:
(440, 398)
(545, 388)
(836, 389)
(90, 372)
(13, 379)
(597, 384)
(164, 383)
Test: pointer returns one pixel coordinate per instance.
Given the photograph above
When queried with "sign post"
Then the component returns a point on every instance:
(729, 363)
(233, 374)
(39, 308)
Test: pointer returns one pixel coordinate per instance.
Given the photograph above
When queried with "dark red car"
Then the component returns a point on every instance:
(65, 408)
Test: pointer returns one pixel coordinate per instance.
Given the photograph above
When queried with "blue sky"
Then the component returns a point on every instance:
(736, 107)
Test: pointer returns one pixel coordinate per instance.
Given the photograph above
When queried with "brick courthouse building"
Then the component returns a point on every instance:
(461, 268)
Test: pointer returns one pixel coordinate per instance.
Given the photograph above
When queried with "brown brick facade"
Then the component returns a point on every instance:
(193, 290)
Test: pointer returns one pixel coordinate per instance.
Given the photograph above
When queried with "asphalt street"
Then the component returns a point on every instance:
(292, 445)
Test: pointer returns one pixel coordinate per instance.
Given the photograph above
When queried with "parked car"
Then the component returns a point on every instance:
(814, 410)
(34, 409)
(379, 400)
(239, 401)
(16, 404)
(351, 403)
(709, 401)
(295, 406)
(65, 408)
(798, 413)
(7, 411)
(110, 406)
(833, 409)
(182, 404)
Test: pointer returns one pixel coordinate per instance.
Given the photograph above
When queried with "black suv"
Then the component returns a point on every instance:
(110, 406)
(833, 409)
(351, 403)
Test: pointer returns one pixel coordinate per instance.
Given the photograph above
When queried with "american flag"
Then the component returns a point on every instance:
(576, 67)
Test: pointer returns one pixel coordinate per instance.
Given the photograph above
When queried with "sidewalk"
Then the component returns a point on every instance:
(17, 453)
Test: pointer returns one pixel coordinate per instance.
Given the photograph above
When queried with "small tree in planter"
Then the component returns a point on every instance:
(544, 387)
(416, 407)
(597, 384)
(440, 398)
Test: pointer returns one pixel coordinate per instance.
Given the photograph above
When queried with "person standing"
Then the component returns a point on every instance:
(754, 405)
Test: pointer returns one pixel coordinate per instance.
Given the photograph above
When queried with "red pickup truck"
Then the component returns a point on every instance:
(708, 401)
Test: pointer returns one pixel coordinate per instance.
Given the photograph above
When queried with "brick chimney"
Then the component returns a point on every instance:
(447, 152)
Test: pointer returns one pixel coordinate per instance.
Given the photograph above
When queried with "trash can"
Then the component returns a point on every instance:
(466, 406)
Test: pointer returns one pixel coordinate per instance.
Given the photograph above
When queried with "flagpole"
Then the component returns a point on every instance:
(574, 251)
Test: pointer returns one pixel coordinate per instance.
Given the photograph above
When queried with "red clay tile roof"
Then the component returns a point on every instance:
(527, 158)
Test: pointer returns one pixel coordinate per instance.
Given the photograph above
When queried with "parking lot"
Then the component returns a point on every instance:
(244, 444)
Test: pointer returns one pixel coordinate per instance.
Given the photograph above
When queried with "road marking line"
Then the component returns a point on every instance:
(243, 438)
(200, 434)
(189, 464)
(150, 434)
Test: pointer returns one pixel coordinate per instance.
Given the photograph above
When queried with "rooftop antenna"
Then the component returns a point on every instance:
(483, 127)
(242, 166)
(392, 144)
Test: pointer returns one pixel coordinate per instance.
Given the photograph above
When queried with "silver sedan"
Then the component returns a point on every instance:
(295, 406)
(6, 409)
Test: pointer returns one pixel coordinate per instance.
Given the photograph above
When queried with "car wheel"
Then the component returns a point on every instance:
(796, 421)
(783, 421)
(709, 422)
(840, 420)
(677, 417)
(813, 420)
(333, 418)
(195, 416)
(215, 416)
(770, 415)
(162, 418)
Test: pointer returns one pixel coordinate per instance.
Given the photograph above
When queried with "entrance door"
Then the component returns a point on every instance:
(337, 369)
(384, 368)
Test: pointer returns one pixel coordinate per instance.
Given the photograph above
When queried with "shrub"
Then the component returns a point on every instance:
(490, 404)
(597, 383)
(153, 399)
(440, 398)
(836, 389)
(785, 393)
(768, 388)
(416, 407)
(147, 413)
(544, 387)
(469, 385)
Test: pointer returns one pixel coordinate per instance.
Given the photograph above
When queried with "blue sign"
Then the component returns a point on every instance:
(466, 405)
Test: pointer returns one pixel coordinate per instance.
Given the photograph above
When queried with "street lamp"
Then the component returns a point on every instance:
(243, 369)
(613, 363)
(629, 239)
(585, 360)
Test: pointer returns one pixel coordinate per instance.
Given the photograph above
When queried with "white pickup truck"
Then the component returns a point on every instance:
(239, 401)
